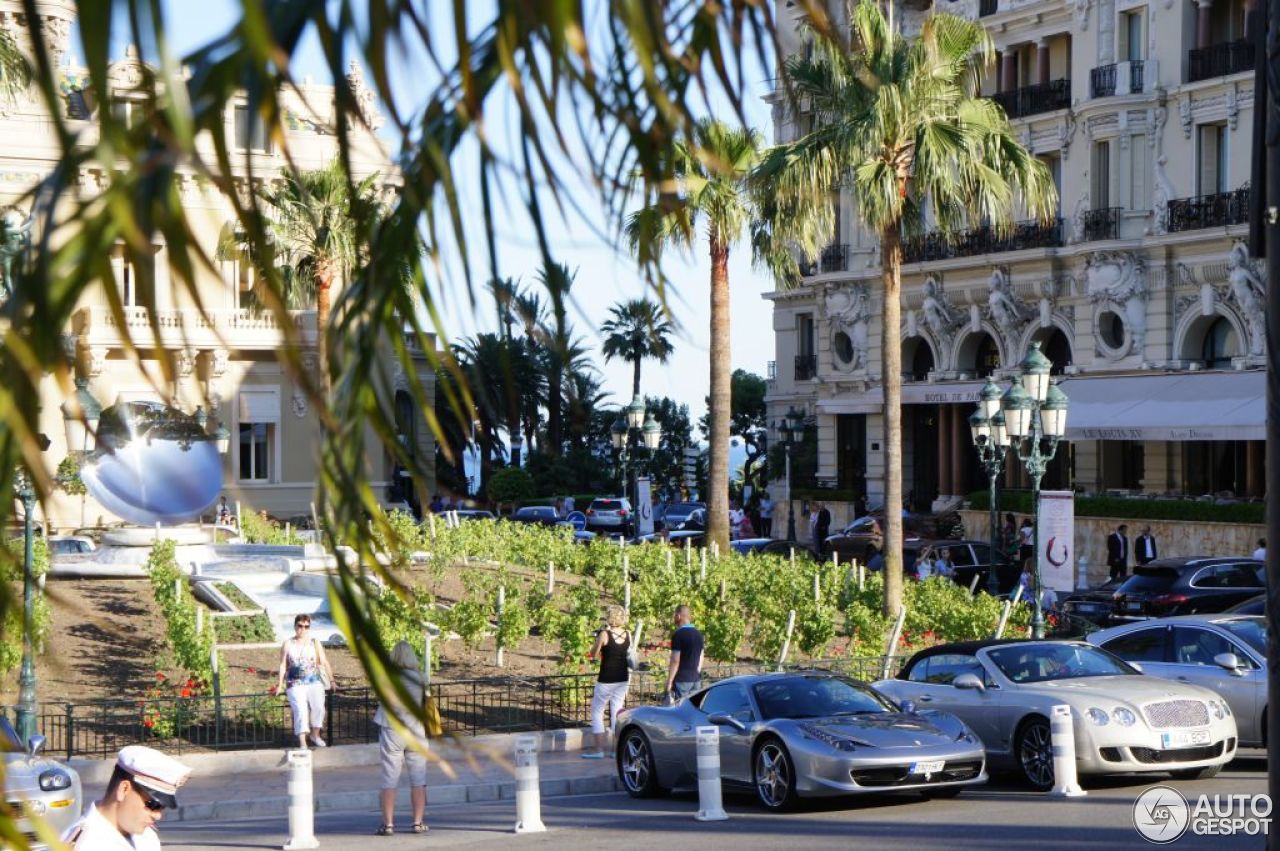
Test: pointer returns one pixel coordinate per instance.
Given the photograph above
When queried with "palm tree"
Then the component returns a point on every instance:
(14, 74)
(319, 226)
(904, 120)
(635, 330)
(712, 170)
(557, 280)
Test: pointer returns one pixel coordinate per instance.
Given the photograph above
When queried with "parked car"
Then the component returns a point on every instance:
(1252, 606)
(971, 558)
(1094, 604)
(786, 736)
(773, 546)
(543, 515)
(677, 513)
(611, 515)
(1224, 653)
(69, 545)
(694, 521)
(1005, 690)
(858, 539)
(1186, 586)
(472, 514)
(36, 786)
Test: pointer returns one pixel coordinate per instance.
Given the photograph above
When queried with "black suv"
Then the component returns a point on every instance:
(1186, 586)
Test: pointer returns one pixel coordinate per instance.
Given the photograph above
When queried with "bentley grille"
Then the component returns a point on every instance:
(1177, 713)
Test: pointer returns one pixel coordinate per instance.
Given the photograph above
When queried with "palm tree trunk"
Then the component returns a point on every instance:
(891, 360)
(718, 416)
(324, 281)
(635, 379)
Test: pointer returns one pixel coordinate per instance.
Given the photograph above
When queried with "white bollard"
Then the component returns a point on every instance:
(710, 802)
(528, 793)
(302, 816)
(1062, 735)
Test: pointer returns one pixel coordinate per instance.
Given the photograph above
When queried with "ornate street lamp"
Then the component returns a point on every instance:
(1036, 419)
(991, 439)
(635, 428)
(25, 490)
(791, 430)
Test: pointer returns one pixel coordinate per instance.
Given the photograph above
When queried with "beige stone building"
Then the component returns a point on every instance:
(224, 360)
(1140, 292)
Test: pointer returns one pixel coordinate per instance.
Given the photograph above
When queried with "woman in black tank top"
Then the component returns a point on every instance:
(613, 643)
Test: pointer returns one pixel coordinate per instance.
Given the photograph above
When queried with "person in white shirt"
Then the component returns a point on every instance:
(924, 566)
(144, 784)
(735, 521)
(766, 516)
(1261, 552)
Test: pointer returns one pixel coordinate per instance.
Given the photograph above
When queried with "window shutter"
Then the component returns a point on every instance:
(260, 406)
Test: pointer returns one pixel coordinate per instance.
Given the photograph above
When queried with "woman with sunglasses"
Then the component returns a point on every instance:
(305, 668)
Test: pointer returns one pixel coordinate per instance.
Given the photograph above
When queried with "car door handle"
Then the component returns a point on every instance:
(1183, 680)
(924, 698)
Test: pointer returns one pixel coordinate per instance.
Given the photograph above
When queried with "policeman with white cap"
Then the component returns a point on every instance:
(144, 784)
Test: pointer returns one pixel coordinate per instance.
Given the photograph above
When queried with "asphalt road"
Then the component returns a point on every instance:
(999, 815)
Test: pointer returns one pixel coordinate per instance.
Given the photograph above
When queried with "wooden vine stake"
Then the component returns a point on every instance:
(786, 642)
(702, 572)
(688, 553)
(817, 589)
(793, 558)
(892, 646)
(431, 521)
(551, 578)
(1004, 618)
(973, 586)
(502, 604)
(626, 595)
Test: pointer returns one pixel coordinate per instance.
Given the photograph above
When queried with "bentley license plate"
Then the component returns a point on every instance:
(931, 767)
(1184, 738)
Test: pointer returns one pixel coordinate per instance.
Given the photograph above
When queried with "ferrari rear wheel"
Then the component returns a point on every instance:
(774, 775)
(1035, 753)
(636, 766)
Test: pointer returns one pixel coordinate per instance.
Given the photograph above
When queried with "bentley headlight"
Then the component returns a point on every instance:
(1226, 708)
(1216, 708)
(1098, 717)
(54, 779)
(1124, 717)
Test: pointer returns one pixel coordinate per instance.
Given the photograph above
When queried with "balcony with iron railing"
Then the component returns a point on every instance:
(988, 7)
(1126, 78)
(1219, 60)
(1101, 224)
(1207, 211)
(806, 367)
(1031, 100)
(939, 245)
(191, 327)
(835, 258)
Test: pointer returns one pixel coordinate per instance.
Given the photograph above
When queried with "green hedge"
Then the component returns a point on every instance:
(1120, 508)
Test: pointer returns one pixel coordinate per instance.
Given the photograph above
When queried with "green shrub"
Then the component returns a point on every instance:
(1120, 508)
(244, 629)
(511, 484)
(191, 648)
(256, 529)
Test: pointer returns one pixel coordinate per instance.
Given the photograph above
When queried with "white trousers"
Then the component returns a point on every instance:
(612, 695)
(307, 702)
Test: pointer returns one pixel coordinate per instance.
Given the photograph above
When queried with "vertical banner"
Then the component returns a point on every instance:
(1057, 511)
(643, 507)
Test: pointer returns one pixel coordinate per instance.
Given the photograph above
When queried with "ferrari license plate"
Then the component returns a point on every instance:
(931, 767)
(1184, 738)
(1133, 606)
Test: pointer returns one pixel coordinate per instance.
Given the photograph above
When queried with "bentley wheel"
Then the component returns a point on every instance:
(1035, 754)
(774, 775)
(636, 767)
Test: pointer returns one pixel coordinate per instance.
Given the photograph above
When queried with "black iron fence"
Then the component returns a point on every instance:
(1218, 60)
(1137, 71)
(938, 245)
(1101, 224)
(1206, 211)
(1031, 100)
(1102, 81)
(98, 729)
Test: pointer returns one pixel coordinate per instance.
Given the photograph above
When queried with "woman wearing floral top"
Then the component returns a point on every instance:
(305, 669)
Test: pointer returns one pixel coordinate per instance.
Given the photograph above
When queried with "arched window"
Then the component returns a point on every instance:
(917, 357)
(1057, 349)
(987, 359)
(1220, 345)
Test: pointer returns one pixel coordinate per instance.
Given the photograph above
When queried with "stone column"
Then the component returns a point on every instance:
(1042, 61)
(944, 444)
(958, 430)
(1007, 70)
(1203, 7)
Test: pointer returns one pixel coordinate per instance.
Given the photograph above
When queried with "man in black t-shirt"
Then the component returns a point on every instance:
(684, 671)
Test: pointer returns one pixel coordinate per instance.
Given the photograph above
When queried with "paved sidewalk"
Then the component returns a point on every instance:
(235, 786)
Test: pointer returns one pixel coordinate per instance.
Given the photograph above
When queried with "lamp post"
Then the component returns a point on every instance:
(1036, 419)
(27, 678)
(991, 439)
(791, 429)
(634, 428)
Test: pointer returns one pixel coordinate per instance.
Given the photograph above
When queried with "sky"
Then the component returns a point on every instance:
(604, 276)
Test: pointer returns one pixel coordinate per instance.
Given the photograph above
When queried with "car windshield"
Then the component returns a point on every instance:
(1149, 580)
(816, 697)
(9, 742)
(1036, 663)
(1252, 631)
(861, 526)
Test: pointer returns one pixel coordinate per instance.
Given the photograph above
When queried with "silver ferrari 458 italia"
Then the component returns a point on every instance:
(36, 787)
(799, 735)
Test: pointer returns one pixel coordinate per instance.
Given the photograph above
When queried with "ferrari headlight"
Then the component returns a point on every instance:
(965, 736)
(1124, 717)
(1097, 716)
(837, 742)
(54, 779)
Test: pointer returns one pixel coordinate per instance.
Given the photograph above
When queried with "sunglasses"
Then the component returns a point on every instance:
(149, 802)
(305, 625)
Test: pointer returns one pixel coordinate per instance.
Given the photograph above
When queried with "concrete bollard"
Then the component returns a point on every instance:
(528, 794)
(1062, 736)
(710, 803)
(302, 815)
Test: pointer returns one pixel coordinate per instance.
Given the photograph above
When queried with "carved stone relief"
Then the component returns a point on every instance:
(1116, 282)
(849, 313)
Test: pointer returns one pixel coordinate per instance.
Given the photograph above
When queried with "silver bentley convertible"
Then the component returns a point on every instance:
(1123, 721)
(799, 735)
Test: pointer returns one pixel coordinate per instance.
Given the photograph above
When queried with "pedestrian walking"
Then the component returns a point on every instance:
(735, 520)
(684, 670)
(1118, 552)
(143, 785)
(766, 515)
(1009, 538)
(1261, 552)
(1144, 548)
(1026, 540)
(397, 749)
(613, 644)
(821, 528)
(305, 676)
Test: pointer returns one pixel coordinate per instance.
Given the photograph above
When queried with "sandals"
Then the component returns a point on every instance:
(420, 828)
(385, 830)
